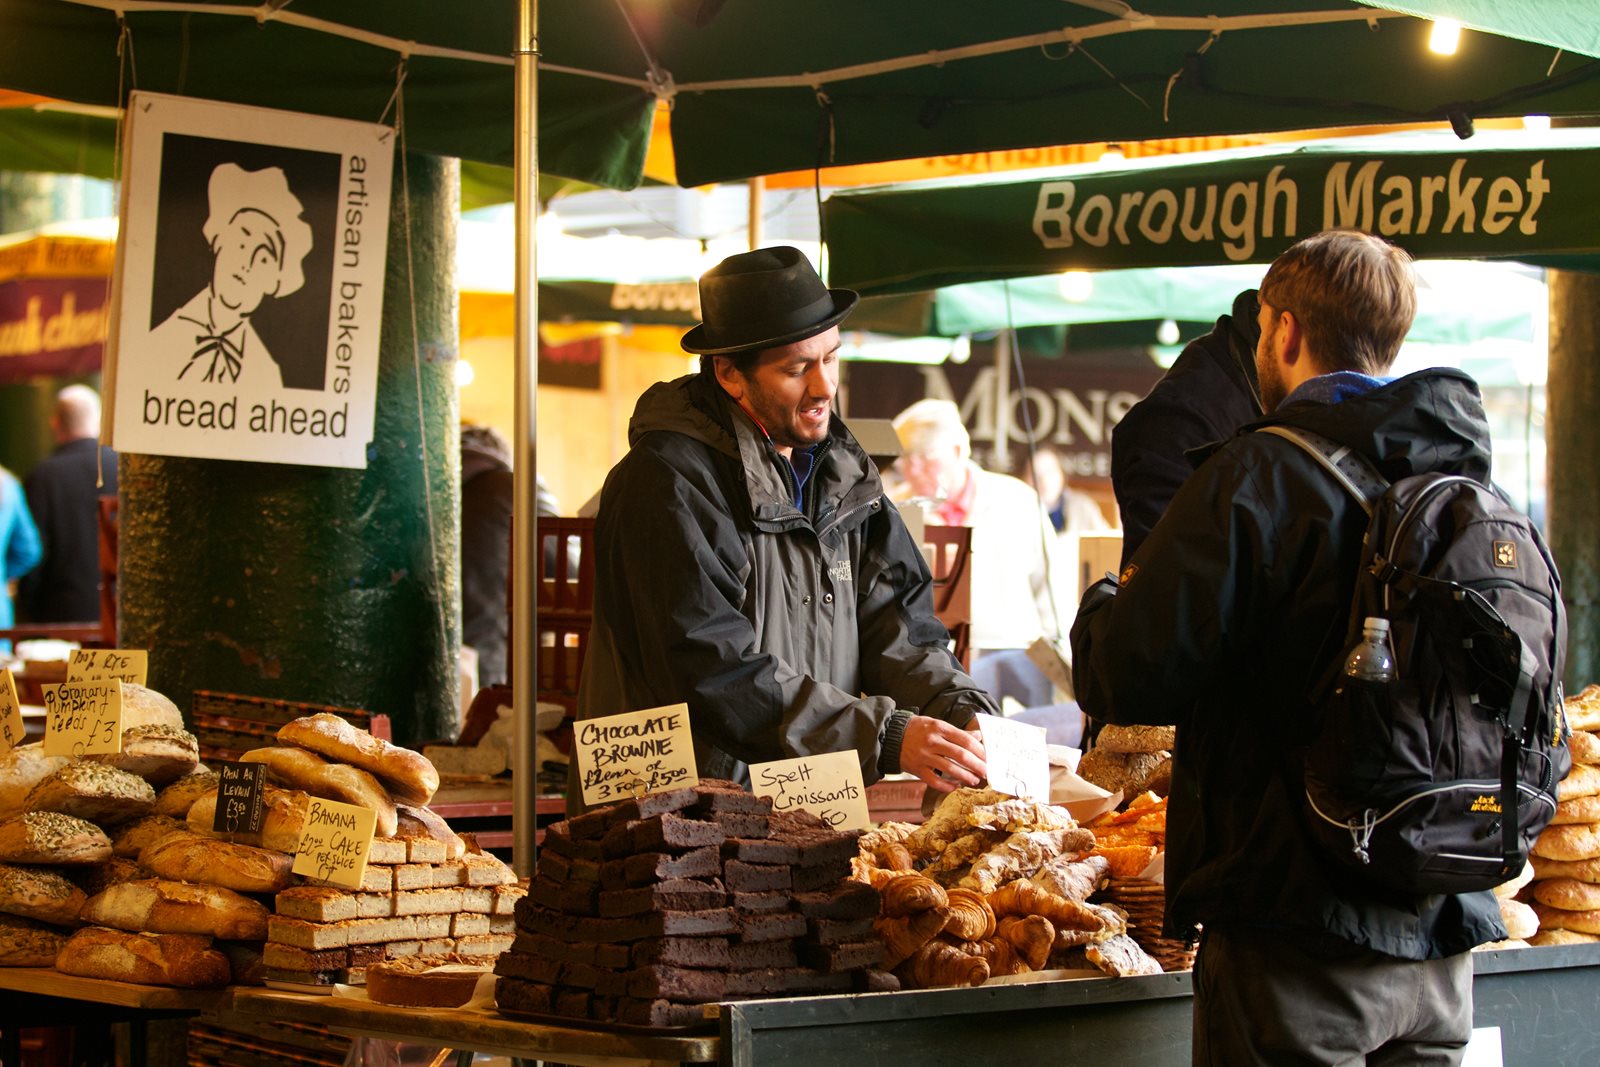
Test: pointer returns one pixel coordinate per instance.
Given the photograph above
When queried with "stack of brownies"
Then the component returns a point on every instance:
(643, 911)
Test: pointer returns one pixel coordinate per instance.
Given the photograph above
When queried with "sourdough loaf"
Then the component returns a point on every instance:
(25, 943)
(407, 774)
(175, 800)
(156, 752)
(39, 893)
(51, 837)
(283, 818)
(142, 706)
(93, 791)
(185, 857)
(307, 771)
(20, 770)
(116, 869)
(132, 838)
(184, 960)
(160, 906)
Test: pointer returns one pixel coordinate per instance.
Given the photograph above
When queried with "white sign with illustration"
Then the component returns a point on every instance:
(249, 283)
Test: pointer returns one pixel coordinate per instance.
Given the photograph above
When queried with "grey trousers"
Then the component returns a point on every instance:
(1260, 998)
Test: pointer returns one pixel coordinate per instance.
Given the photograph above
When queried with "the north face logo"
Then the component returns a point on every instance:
(840, 572)
(1505, 554)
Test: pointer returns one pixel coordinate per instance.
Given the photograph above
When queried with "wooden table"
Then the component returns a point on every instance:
(157, 1017)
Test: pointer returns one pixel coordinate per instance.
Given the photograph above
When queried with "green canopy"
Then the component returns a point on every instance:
(763, 86)
(1501, 194)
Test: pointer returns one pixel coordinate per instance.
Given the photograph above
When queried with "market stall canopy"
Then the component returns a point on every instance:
(769, 86)
(1499, 195)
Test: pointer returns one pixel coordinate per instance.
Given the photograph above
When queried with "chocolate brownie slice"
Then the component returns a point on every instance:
(573, 898)
(845, 899)
(751, 825)
(706, 953)
(552, 865)
(584, 870)
(712, 922)
(673, 833)
(613, 957)
(749, 956)
(777, 926)
(660, 1013)
(872, 981)
(573, 1003)
(535, 918)
(558, 839)
(761, 850)
(647, 867)
(820, 877)
(838, 931)
(745, 877)
(849, 956)
(590, 824)
(678, 984)
(775, 981)
(761, 903)
(528, 968)
(720, 795)
(653, 804)
(517, 994)
(675, 894)
(581, 975)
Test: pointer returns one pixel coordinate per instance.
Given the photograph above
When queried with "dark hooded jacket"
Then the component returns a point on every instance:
(769, 621)
(1226, 619)
(1203, 398)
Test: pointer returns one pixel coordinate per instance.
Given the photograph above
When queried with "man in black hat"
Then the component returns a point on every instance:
(748, 564)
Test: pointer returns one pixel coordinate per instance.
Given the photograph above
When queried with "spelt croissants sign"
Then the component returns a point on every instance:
(249, 283)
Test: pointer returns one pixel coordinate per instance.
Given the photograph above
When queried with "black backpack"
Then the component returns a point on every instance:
(1439, 781)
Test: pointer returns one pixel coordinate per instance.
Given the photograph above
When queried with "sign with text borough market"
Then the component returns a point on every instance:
(1520, 194)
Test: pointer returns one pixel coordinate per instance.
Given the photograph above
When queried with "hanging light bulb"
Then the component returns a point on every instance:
(1167, 332)
(464, 374)
(1446, 36)
(1076, 286)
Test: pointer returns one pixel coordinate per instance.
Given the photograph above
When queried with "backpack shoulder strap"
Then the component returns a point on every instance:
(1348, 467)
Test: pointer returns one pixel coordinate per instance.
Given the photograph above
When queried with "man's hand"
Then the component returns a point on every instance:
(943, 756)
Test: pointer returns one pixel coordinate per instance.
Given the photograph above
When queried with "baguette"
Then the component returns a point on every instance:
(409, 775)
(185, 857)
(305, 770)
(164, 907)
(283, 819)
(50, 837)
(184, 960)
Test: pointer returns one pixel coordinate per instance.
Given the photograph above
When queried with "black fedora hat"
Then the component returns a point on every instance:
(764, 299)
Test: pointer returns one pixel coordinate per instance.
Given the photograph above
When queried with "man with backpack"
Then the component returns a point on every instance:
(1232, 621)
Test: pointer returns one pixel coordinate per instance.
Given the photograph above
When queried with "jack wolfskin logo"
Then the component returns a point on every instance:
(1127, 575)
(840, 572)
(1505, 554)
(1486, 803)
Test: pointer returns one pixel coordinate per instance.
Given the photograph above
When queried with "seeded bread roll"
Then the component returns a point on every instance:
(160, 906)
(1127, 771)
(39, 893)
(94, 791)
(132, 838)
(409, 776)
(305, 770)
(187, 857)
(283, 818)
(176, 799)
(51, 837)
(1137, 738)
(25, 943)
(142, 706)
(20, 770)
(156, 752)
(184, 960)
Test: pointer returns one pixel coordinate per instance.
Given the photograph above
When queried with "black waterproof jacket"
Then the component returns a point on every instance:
(1226, 618)
(770, 622)
(1202, 399)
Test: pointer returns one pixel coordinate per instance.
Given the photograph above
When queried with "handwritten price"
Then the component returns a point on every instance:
(615, 785)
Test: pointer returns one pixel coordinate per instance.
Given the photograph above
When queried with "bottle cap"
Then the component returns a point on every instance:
(1375, 624)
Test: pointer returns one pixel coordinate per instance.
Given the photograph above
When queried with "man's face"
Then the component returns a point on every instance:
(1269, 369)
(248, 266)
(933, 476)
(790, 389)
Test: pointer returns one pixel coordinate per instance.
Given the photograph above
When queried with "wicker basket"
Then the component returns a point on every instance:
(1146, 904)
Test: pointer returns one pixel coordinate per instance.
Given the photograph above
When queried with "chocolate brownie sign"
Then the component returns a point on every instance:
(635, 753)
(829, 786)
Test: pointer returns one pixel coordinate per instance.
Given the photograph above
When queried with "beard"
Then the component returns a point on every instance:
(1269, 374)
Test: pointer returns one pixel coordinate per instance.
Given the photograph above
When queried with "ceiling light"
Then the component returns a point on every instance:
(1076, 286)
(1445, 37)
(464, 374)
(1167, 332)
(1113, 154)
(1536, 122)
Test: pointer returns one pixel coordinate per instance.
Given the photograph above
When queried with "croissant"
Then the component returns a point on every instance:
(861, 868)
(971, 917)
(999, 954)
(1013, 814)
(908, 894)
(941, 964)
(948, 821)
(905, 935)
(894, 856)
(878, 878)
(1033, 937)
(1023, 853)
(1026, 898)
(888, 833)
(1072, 878)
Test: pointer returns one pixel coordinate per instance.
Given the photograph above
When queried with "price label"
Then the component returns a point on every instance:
(829, 786)
(82, 718)
(334, 845)
(12, 729)
(1016, 757)
(109, 665)
(239, 798)
(635, 753)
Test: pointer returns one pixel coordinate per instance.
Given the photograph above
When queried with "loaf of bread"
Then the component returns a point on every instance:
(1569, 894)
(142, 706)
(156, 752)
(187, 857)
(300, 769)
(160, 906)
(25, 943)
(51, 837)
(93, 791)
(93, 879)
(132, 838)
(1519, 919)
(20, 770)
(175, 800)
(1585, 746)
(1582, 781)
(1577, 841)
(1583, 708)
(423, 982)
(423, 823)
(1125, 771)
(184, 960)
(408, 775)
(1577, 810)
(1115, 738)
(283, 819)
(39, 893)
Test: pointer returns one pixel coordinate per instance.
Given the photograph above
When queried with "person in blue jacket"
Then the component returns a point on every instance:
(19, 544)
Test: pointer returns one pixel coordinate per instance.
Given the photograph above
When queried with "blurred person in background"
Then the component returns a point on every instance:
(1070, 510)
(64, 492)
(19, 544)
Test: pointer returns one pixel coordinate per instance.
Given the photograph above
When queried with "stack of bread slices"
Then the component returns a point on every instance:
(1565, 892)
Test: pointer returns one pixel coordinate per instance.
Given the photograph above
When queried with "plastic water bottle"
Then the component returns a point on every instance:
(1371, 660)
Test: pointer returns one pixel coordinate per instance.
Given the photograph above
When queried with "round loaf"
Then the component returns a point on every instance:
(94, 791)
(301, 769)
(1582, 870)
(1582, 781)
(51, 837)
(1562, 937)
(25, 943)
(20, 770)
(142, 706)
(1568, 894)
(1578, 809)
(176, 799)
(1113, 771)
(1576, 841)
(155, 752)
(132, 838)
(39, 893)
(283, 819)
(1584, 922)
(1585, 746)
(1520, 921)
(1506, 890)
(1583, 710)
(1137, 738)
(184, 960)
(423, 982)
(93, 879)
(409, 776)
(185, 857)
(158, 906)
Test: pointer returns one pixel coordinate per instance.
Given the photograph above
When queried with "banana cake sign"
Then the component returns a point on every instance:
(249, 283)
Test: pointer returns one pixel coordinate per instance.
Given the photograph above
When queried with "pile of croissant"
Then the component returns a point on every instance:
(992, 886)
